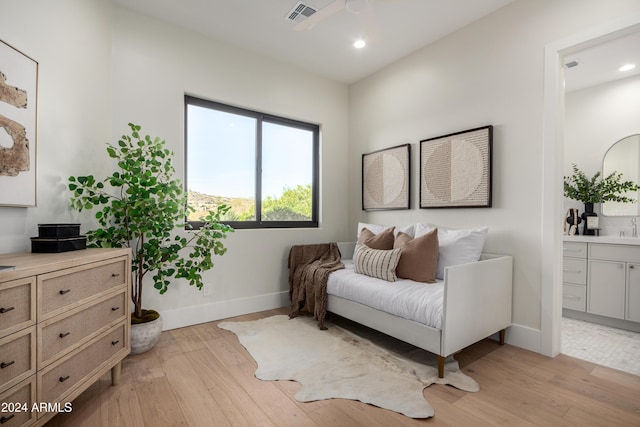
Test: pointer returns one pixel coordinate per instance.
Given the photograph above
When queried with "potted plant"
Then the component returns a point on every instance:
(597, 190)
(142, 206)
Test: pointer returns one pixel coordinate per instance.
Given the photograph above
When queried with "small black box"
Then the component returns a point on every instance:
(53, 245)
(58, 230)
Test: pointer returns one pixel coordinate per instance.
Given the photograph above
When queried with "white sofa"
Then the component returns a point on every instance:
(476, 304)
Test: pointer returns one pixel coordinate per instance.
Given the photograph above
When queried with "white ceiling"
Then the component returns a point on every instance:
(599, 64)
(393, 29)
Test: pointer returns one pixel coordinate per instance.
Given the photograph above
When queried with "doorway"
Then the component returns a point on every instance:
(553, 167)
(601, 96)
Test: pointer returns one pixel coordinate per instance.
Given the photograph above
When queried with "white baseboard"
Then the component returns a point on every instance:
(517, 335)
(193, 315)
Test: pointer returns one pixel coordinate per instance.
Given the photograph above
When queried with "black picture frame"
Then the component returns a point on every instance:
(456, 170)
(386, 179)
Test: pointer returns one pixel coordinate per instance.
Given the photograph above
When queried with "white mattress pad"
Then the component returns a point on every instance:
(420, 302)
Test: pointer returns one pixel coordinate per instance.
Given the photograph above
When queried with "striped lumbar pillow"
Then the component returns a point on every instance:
(376, 263)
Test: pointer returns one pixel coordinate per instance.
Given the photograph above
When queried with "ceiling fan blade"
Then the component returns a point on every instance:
(321, 15)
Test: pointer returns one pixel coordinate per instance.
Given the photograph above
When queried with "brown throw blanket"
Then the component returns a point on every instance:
(309, 269)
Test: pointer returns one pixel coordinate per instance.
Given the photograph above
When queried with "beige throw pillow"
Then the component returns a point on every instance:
(419, 257)
(383, 240)
(376, 263)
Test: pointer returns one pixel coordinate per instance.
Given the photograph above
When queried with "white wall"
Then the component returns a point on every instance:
(595, 119)
(153, 65)
(101, 67)
(490, 72)
(71, 41)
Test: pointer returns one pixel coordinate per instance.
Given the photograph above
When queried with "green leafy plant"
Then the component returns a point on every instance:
(142, 207)
(597, 190)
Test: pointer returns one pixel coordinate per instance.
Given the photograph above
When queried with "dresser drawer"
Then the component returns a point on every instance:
(574, 249)
(57, 337)
(625, 253)
(63, 290)
(16, 357)
(17, 305)
(574, 271)
(17, 403)
(574, 297)
(54, 382)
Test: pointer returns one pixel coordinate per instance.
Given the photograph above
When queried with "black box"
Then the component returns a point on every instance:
(58, 230)
(52, 245)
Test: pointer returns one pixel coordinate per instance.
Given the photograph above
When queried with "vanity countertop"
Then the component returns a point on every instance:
(603, 239)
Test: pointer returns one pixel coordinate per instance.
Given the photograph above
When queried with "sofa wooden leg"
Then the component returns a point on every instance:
(502, 336)
(440, 367)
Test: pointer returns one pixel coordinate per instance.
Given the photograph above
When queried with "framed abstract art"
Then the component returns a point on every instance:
(18, 116)
(455, 170)
(386, 178)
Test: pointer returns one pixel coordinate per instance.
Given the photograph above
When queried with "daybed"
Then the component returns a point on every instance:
(474, 300)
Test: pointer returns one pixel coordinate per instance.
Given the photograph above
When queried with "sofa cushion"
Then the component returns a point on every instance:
(383, 240)
(376, 263)
(419, 256)
(377, 229)
(456, 246)
(374, 228)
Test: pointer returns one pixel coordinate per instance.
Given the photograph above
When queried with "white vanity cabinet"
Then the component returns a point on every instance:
(601, 280)
(613, 281)
(633, 291)
(574, 276)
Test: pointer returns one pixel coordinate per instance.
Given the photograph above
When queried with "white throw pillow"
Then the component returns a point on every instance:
(455, 246)
(376, 263)
(374, 228)
(409, 230)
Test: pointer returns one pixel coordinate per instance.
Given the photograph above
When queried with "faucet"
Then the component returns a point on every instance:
(634, 227)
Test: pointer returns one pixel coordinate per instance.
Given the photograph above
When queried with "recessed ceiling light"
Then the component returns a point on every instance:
(359, 44)
(627, 67)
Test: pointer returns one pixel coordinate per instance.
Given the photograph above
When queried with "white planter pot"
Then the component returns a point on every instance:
(145, 335)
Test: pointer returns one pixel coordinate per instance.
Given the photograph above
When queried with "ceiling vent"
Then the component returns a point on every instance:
(300, 12)
(572, 63)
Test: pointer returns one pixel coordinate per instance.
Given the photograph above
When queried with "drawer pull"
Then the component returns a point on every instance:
(115, 274)
(566, 270)
(62, 335)
(115, 308)
(115, 342)
(63, 379)
(5, 419)
(572, 297)
(64, 291)
(4, 365)
(4, 310)
(631, 266)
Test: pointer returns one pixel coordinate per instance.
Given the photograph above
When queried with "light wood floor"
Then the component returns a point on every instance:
(202, 376)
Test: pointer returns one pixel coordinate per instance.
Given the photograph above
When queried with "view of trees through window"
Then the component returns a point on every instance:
(237, 157)
(293, 205)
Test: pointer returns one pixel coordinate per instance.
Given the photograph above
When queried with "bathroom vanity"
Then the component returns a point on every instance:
(601, 280)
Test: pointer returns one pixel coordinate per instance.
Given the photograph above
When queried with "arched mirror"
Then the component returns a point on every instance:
(623, 157)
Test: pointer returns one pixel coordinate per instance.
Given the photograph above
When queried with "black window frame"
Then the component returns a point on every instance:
(261, 118)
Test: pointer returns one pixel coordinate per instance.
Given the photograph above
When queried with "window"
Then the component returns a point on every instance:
(265, 167)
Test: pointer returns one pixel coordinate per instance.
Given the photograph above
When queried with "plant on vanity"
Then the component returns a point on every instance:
(145, 210)
(596, 189)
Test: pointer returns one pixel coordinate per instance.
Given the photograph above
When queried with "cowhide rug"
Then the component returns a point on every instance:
(337, 363)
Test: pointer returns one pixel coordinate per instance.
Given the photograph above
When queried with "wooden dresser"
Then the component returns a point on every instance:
(64, 322)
